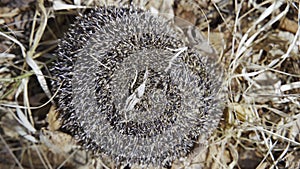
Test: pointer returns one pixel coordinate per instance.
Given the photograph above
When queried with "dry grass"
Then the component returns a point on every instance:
(258, 46)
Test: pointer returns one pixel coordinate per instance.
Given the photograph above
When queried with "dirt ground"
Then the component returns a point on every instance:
(257, 43)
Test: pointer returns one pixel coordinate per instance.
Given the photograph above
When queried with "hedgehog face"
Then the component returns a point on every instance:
(133, 88)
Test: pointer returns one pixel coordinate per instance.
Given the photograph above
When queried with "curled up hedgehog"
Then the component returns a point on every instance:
(133, 86)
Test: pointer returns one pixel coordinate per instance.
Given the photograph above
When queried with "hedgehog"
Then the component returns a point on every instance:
(130, 86)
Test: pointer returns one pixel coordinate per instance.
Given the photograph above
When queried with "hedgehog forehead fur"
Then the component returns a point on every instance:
(133, 89)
